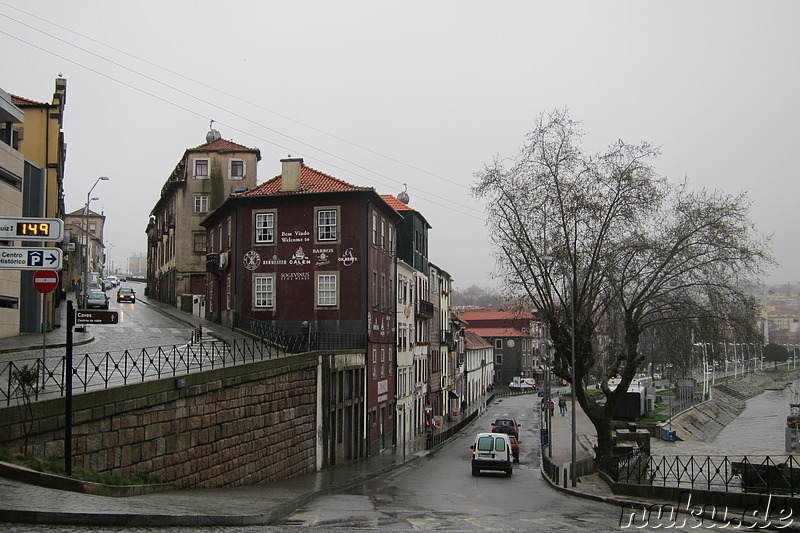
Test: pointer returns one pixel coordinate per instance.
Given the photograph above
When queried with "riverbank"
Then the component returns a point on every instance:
(702, 423)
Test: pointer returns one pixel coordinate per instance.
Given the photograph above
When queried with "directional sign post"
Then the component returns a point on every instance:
(45, 281)
(85, 316)
(31, 258)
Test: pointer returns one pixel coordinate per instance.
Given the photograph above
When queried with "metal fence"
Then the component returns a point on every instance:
(774, 474)
(300, 342)
(102, 370)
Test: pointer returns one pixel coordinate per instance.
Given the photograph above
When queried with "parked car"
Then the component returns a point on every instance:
(126, 294)
(508, 426)
(114, 280)
(96, 300)
(492, 451)
(514, 447)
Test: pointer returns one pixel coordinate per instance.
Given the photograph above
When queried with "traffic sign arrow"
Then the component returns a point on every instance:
(31, 258)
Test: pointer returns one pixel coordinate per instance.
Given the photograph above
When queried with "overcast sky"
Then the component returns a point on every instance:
(415, 94)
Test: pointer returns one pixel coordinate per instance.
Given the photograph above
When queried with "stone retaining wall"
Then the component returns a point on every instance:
(239, 425)
(704, 421)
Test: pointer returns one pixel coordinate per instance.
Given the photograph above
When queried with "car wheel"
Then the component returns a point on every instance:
(509, 472)
(474, 471)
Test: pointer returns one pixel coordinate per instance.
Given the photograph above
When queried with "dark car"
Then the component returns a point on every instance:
(96, 300)
(508, 426)
(126, 294)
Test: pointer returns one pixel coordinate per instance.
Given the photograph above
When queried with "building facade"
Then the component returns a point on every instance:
(314, 256)
(39, 137)
(12, 167)
(83, 228)
(176, 241)
(516, 338)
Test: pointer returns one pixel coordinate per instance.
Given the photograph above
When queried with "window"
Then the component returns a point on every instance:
(327, 292)
(374, 289)
(327, 224)
(228, 292)
(391, 240)
(264, 291)
(236, 169)
(498, 344)
(199, 243)
(391, 362)
(498, 358)
(374, 363)
(211, 242)
(383, 362)
(230, 227)
(201, 168)
(383, 234)
(265, 228)
(374, 228)
(201, 203)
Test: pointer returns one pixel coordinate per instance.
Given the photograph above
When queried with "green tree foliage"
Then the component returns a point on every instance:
(775, 353)
(606, 250)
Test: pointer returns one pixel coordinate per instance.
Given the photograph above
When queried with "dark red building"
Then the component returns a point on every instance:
(308, 256)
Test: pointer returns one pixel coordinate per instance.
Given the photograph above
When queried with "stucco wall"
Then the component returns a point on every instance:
(239, 425)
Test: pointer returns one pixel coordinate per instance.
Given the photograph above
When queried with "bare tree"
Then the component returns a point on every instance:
(607, 249)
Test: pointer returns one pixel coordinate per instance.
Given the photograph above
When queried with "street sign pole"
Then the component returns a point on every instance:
(68, 386)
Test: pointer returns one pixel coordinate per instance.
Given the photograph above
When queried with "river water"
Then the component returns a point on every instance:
(761, 424)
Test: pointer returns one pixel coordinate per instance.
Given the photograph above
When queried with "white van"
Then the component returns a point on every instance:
(492, 451)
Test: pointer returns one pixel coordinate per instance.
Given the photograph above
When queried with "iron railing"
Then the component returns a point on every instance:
(102, 370)
(300, 342)
(774, 474)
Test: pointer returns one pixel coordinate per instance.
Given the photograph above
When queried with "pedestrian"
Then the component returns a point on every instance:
(562, 405)
(552, 407)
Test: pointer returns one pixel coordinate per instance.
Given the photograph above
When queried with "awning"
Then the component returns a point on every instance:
(454, 395)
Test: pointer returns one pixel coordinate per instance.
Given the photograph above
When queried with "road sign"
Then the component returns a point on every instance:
(31, 229)
(85, 316)
(31, 258)
(45, 281)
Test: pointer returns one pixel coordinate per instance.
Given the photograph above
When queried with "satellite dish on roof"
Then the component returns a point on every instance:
(212, 134)
(403, 196)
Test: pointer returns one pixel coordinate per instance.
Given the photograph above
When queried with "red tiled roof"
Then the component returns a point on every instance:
(487, 333)
(18, 100)
(494, 314)
(396, 204)
(222, 145)
(475, 341)
(311, 181)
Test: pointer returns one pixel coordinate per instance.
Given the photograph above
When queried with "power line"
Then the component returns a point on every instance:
(184, 108)
(258, 106)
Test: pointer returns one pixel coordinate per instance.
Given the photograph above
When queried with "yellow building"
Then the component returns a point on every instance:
(40, 139)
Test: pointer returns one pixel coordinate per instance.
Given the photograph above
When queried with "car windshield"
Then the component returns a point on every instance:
(126, 291)
(97, 296)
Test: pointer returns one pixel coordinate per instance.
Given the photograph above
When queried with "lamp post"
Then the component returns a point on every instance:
(574, 461)
(86, 236)
(109, 263)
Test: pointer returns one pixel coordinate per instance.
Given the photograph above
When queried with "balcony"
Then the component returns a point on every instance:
(425, 309)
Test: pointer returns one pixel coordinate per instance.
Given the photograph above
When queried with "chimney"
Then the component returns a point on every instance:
(290, 174)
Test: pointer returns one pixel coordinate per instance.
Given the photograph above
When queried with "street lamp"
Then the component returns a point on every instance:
(86, 236)
(574, 461)
(109, 263)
